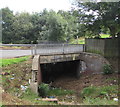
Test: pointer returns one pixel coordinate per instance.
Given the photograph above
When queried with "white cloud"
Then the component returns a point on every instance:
(35, 5)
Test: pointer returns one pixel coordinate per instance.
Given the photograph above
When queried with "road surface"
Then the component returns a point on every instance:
(42, 50)
(14, 53)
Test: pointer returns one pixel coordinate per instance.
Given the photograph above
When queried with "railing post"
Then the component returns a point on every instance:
(84, 48)
(35, 49)
(63, 48)
(31, 49)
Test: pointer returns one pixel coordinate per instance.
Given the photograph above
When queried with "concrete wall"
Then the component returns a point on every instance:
(107, 47)
(94, 62)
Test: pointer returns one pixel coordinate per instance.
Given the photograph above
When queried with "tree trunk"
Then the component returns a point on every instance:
(112, 31)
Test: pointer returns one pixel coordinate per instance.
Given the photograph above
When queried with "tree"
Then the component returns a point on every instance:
(7, 28)
(22, 28)
(46, 25)
(53, 27)
(101, 14)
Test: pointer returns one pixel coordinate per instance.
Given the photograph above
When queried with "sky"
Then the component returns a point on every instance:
(36, 5)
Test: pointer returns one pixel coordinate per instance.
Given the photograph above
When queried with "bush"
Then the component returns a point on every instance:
(107, 69)
(43, 90)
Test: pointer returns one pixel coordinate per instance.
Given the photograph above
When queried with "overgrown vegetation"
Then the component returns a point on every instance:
(102, 95)
(99, 101)
(6, 62)
(46, 90)
(34, 98)
(43, 90)
(107, 69)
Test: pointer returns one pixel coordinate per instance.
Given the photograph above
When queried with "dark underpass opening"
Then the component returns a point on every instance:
(52, 71)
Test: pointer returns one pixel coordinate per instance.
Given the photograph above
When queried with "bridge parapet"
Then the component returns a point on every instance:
(52, 49)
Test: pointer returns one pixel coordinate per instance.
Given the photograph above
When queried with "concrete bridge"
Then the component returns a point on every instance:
(52, 60)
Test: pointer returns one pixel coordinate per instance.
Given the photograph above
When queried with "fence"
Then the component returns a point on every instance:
(106, 47)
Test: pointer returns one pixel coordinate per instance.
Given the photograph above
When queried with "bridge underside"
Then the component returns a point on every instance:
(49, 68)
(52, 71)
(58, 58)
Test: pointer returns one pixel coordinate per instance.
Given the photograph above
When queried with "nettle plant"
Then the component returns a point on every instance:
(107, 69)
(43, 89)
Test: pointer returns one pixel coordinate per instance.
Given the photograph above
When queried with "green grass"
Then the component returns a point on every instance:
(6, 62)
(100, 95)
(30, 96)
(104, 35)
(99, 101)
(59, 92)
(46, 90)
(79, 41)
(98, 91)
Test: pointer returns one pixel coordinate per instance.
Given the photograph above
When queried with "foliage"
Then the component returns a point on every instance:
(5, 62)
(89, 20)
(107, 69)
(7, 21)
(43, 89)
(31, 96)
(46, 25)
(100, 16)
(46, 90)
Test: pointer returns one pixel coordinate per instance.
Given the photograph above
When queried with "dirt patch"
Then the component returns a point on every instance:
(19, 74)
(86, 80)
(8, 99)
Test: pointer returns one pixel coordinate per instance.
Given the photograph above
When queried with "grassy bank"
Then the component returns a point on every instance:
(90, 89)
(6, 62)
(102, 95)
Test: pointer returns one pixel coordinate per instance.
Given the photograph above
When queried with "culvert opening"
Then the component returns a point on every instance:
(52, 71)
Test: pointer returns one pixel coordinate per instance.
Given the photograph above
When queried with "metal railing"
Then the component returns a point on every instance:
(48, 49)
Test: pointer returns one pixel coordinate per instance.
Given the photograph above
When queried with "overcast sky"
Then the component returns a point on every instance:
(35, 5)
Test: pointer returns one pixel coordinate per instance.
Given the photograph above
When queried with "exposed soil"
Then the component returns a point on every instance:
(22, 74)
(87, 79)
(8, 99)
